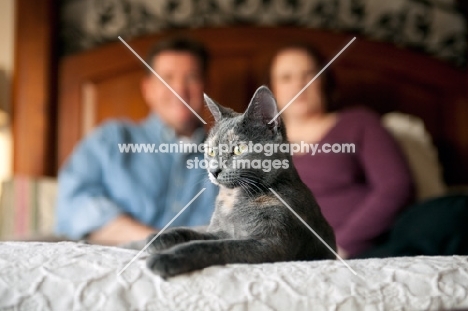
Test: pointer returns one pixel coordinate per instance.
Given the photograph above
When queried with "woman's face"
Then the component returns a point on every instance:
(291, 70)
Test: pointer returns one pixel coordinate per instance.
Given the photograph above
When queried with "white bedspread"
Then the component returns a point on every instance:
(73, 276)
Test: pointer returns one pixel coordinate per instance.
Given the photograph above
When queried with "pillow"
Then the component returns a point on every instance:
(416, 144)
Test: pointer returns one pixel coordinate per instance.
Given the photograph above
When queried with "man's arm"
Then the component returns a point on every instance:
(84, 208)
(120, 230)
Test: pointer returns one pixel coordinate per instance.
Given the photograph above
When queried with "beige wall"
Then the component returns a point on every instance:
(6, 69)
(6, 51)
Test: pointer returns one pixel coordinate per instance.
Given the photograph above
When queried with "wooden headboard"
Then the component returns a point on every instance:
(105, 83)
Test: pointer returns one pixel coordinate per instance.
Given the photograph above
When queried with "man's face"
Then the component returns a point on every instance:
(183, 72)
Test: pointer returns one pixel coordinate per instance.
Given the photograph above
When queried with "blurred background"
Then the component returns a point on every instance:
(63, 70)
(437, 27)
(47, 31)
(6, 71)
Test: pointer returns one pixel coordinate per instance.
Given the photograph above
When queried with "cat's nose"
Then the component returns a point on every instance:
(215, 172)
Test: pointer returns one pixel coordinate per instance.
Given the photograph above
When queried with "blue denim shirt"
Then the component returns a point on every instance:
(99, 183)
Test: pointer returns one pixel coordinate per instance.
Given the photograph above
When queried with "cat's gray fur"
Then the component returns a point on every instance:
(249, 224)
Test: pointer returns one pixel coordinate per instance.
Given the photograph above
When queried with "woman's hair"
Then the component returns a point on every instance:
(328, 78)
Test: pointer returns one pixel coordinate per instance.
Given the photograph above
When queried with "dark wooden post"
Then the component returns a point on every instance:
(34, 88)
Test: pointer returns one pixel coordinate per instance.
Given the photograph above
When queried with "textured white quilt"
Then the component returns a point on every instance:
(73, 276)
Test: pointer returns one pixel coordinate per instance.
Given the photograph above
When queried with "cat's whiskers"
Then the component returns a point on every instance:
(246, 188)
(203, 180)
(251, 182)
(250, 174)
(254, 180)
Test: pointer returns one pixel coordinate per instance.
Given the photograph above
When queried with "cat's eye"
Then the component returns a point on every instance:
(211, 152)
(240, 149)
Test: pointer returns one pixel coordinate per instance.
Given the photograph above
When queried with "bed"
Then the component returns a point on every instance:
(103, 83)
(77, 276)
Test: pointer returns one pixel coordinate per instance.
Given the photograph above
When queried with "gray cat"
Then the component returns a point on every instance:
(249, 224)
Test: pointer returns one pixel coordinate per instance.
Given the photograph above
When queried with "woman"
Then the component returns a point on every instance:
(360, 193)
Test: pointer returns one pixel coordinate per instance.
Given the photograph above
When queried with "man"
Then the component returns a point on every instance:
(114, 197)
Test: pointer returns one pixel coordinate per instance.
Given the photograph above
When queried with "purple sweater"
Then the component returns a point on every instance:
(360, 194)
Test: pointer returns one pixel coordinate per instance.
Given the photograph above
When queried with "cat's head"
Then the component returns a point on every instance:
(233, 153)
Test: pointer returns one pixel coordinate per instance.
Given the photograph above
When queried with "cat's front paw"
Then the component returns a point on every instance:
(164, 241)
(167, 264)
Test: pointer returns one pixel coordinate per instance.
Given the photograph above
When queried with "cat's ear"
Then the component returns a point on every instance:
(216, 110)
(263, 108)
